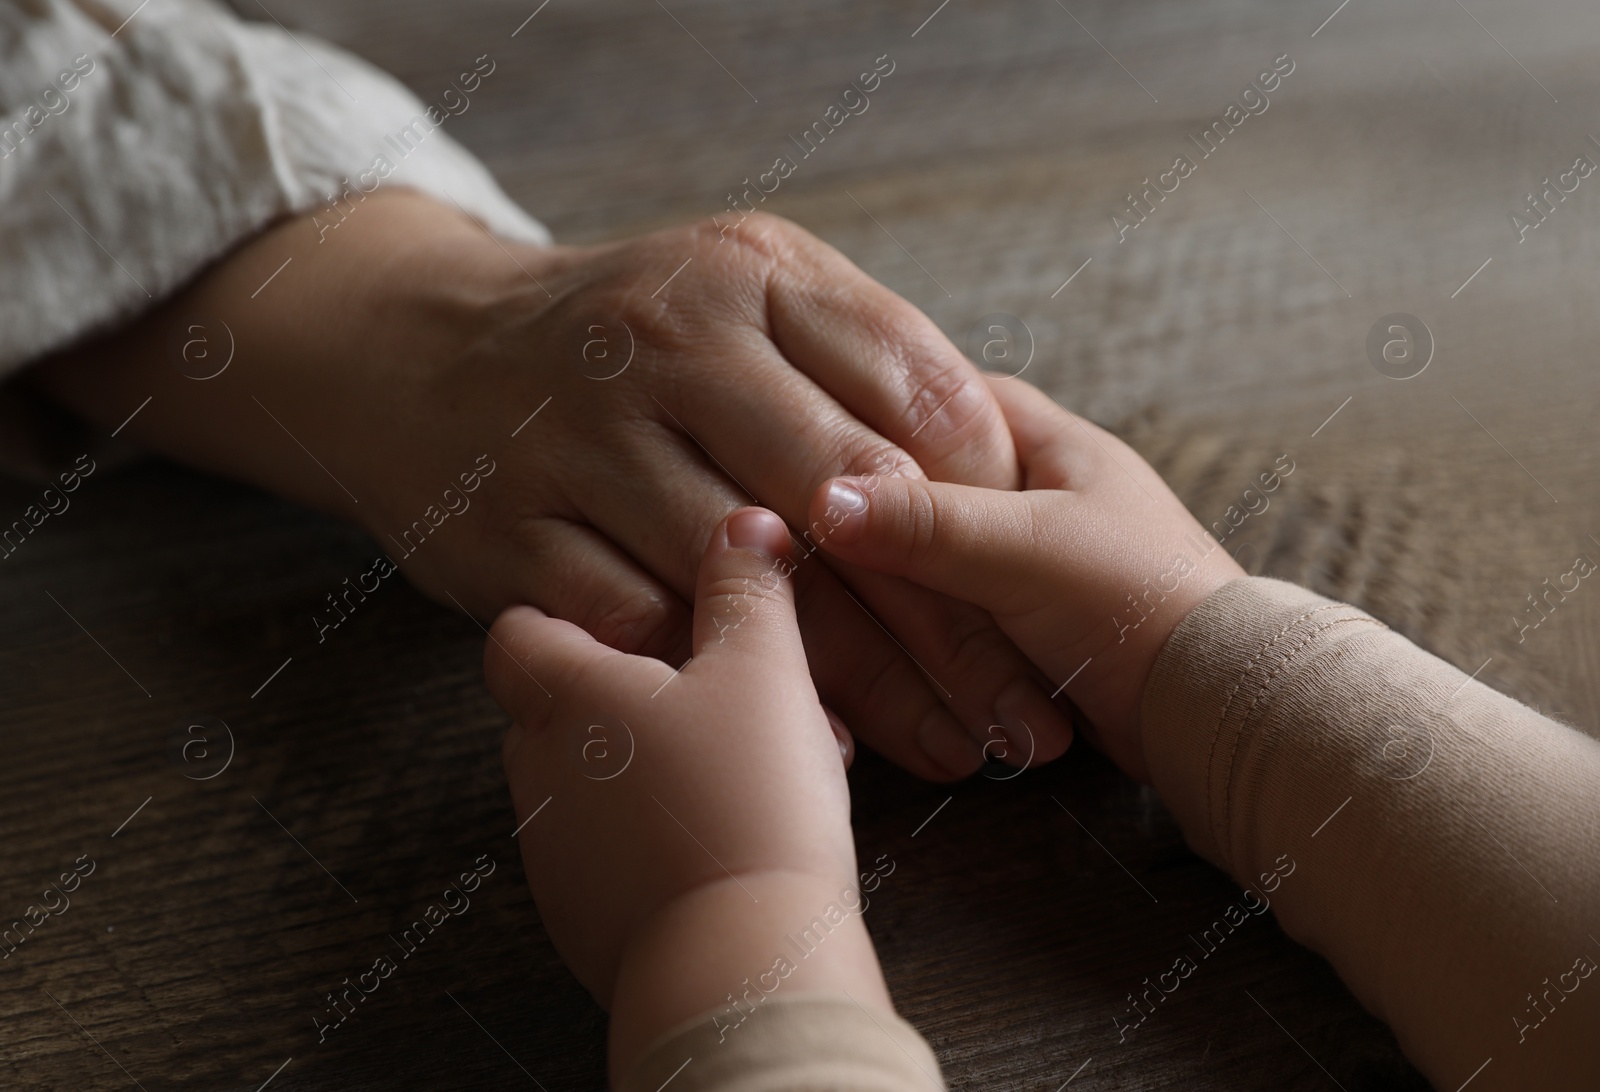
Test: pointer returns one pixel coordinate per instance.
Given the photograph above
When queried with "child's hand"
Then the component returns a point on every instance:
(678, 825)
(1088, 570)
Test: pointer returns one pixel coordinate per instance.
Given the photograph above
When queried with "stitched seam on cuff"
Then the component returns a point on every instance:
(1261, 692)
(1244, 673)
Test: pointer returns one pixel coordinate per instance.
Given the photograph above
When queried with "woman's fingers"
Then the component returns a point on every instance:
(992, 685)
(864, 388)
(573, 572)
(830, 373)
(867, 677)
(884, 361)
(858, 668)
(785, 435)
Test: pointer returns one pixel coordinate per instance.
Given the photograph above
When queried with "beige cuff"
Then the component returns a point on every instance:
(1227, 657)
(821, 1042)
(1441, 838)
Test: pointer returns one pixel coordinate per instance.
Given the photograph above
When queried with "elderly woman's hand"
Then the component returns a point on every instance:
(609, 405)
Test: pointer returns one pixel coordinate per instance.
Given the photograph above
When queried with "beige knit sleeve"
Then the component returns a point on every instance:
(819, 1042)
(1436, 841)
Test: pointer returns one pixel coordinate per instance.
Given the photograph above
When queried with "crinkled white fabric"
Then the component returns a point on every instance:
(190, 131)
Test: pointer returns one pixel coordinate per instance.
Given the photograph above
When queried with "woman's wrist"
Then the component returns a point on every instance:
(333, 341)
(728, 946)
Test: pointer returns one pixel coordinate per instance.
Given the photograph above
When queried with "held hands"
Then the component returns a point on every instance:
(1089, 569)
(628, 396)
(765, 367)
(678, 824)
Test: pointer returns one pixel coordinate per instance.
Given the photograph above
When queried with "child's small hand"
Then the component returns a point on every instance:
(678, 825)
(1088, 570)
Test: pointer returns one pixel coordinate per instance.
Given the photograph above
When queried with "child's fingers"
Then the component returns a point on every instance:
(980, 545)
(744, 602)
(1060, 450)
(530, 656)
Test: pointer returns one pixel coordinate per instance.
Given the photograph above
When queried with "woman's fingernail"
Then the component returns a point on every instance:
(759, 530)
(1036, 729)
(846, 515)
(943, 740)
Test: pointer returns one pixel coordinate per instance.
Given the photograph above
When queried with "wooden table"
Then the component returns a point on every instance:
(1229, 328)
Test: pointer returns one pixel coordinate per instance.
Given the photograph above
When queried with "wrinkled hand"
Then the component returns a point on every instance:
(680, 376)
(1089, 569)
(623, 399)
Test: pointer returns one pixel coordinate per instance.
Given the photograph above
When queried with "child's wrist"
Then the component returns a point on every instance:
(728, 946)
(1110, 691)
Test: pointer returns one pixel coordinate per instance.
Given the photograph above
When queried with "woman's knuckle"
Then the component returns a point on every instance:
(634, 621)
(653, 326)
(934, 398)
(871, 455)
(879, 683)
(772, 237)
(973, 645)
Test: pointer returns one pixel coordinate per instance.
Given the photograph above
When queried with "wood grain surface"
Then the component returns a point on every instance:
(1228, 329)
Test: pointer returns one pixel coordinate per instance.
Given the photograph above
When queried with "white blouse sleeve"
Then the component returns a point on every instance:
(141, 141)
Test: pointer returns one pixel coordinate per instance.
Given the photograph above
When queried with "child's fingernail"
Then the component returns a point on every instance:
(841, 735)
(943, 740)
(759, 530)
(846, 514)
(1037, 730)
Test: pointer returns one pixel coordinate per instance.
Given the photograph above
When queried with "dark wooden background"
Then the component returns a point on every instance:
(201, 947)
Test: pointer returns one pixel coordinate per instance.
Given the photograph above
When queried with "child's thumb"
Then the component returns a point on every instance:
(744, 603)
(975, 544)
